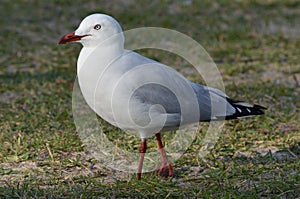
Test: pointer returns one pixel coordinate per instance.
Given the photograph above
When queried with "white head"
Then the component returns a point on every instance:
(93, 30)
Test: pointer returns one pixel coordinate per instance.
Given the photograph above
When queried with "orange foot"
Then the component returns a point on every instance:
(165, 170)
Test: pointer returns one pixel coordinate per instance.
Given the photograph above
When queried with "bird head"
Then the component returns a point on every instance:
(93, 30)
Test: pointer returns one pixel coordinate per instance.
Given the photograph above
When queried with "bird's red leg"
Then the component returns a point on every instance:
(165, 168)
(142, 151)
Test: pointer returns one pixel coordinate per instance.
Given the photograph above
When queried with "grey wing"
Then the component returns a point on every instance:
(151, 95)
(216, 105)
(155, 94)
(213, 104)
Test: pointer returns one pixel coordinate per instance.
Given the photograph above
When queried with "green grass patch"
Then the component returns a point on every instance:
(256, 47)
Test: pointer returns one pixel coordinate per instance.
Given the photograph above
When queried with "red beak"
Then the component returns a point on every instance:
(70, 38)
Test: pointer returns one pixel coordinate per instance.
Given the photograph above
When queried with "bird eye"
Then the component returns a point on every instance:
(97, 27)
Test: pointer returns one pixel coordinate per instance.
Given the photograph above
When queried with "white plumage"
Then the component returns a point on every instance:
(136, 93)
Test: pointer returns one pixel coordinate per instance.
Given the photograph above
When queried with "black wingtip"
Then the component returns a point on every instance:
(259, 107)
(242, 110)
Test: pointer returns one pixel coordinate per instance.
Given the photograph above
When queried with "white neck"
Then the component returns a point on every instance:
(100, 55)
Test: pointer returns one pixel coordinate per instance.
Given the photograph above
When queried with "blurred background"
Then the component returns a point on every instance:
(255, 45)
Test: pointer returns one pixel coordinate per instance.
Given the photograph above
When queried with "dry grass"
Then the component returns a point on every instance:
(256, 46)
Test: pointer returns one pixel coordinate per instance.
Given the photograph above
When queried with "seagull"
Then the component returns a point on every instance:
(138, 94)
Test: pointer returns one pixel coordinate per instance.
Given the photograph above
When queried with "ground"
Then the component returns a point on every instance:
(255, 45)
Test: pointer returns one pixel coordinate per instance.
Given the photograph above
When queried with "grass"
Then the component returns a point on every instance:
(256, 46)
